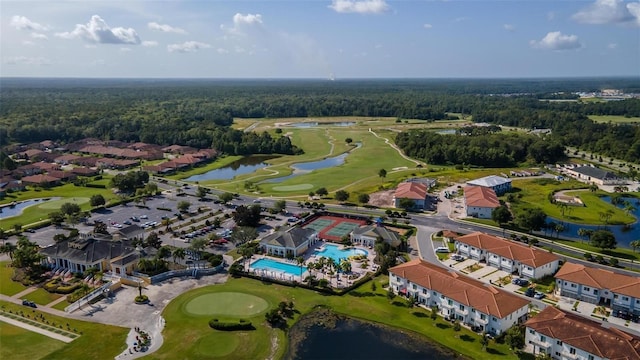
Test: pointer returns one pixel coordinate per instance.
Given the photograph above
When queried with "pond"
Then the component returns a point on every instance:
(7, 211)
(624, 234)
(316, 124)
(307, 167)
(322, 336)
(246, 165)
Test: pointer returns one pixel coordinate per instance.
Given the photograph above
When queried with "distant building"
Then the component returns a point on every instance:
(599, 286)
(510, 256)
(458, 297)
(563, 335)
(480, 201)
(498, 184)
(415, 191)
(594, 175)
(290, 243)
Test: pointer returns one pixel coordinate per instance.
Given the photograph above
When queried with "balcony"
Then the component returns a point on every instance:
(568, 355)
(464, 312)
(480, 321)
(542, 344)
(447, 306)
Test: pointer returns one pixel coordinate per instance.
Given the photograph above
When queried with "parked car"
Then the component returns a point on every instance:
(530, 292)
(457, 257)
(538, 295)
(520, 282)
(144, 217)
(26, 302)
(442, 249)
(127, 222)
(31, 231)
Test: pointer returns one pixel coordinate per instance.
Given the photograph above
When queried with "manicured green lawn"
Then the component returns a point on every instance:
(183, 327)
(61, 305)
(7, 286)
(18, 343)
(96, 341)
(42, 296)
(535, 193)
(615, 119)
(36, 213)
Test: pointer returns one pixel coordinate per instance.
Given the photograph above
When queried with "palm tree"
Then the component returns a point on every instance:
(8, 249)
(628, 207)
(300, 261)
(144, 264)
(635, 244)
(345, 265)
(178, 253)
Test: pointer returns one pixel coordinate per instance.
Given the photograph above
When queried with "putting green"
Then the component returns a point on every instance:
(226, 303)
(55, 204)
(293, 187)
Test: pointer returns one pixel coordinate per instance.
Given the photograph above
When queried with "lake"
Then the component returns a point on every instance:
(624, 235)
(15, 210)
(246, 165)
(327, 336)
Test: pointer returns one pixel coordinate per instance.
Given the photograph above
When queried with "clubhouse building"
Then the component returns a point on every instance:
(498, 184)
(510, 256)
(480, 201)
(289, 243)
(458, 297)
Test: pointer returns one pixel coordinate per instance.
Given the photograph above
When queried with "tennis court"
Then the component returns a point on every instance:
(333, 228)
(342, 229)
(319, 224)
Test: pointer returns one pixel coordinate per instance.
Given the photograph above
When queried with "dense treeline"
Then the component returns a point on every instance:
(198, 113)
(489, 150)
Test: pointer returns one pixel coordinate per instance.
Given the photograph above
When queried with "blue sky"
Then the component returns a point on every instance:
(318, 39)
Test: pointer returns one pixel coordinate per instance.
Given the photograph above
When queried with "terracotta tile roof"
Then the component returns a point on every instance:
(411, 190)
(470, 292)
(508, 249)
(449, 234)
(39, 179)
(67, 158)
(480, 196)
(600, 278)
(47, 166)
(585, 334)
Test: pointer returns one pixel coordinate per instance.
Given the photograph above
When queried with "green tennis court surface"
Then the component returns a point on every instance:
(319, 224)
(342, 229)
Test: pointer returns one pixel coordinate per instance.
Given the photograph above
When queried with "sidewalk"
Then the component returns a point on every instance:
(24, 292)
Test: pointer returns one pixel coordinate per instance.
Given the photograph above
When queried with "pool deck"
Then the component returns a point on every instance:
(336, 282)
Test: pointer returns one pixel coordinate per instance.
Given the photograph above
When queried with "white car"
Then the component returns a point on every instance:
(144, 217)
(442, 249)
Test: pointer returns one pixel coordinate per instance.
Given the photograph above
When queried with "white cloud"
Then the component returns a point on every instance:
(189, 46)
(359, 7)
(608, 12)
(165, 28)
(24, 60)
(634, 10)
(97, 31)
(509, 27)
(427, 26)
(557, 41)
(22, 23)
(612, 45)
(125, 49)
(39, 36)
(149, 43)
(239, 19)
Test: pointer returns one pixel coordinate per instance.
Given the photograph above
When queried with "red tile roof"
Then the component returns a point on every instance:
(480, 196)
(39, 179)
(470, 292)
(508, 249)
(411, 190)
(587, 335)
(600, 278)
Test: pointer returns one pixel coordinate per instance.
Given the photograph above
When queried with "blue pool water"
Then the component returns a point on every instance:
(273, 265)
(334, 252)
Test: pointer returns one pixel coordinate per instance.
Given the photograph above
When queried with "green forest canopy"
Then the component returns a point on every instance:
(199, 112)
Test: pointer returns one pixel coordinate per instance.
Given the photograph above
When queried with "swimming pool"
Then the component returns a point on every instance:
(277, 266)
(334, 252)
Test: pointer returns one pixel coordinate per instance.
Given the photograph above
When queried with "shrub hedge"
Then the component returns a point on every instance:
(230, 325)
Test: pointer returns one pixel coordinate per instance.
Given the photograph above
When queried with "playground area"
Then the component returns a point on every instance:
(333, 228)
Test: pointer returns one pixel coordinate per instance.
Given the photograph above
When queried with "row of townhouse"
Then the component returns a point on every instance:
(618, 291)
(507, 255)
(567, 336)
(458, 297)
